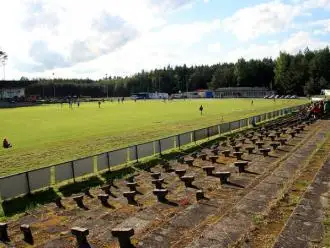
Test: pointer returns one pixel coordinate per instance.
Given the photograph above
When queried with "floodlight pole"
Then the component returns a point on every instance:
(54, 89)
(106, 78)
(4, 69)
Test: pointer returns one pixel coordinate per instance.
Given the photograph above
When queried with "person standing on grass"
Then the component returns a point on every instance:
(252, 103)
(201, 109)
(99, 104)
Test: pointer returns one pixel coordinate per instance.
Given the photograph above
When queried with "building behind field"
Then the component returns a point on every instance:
(243, 92)
(147, 95)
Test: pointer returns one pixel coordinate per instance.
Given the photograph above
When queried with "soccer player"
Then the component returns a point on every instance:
(201, 109)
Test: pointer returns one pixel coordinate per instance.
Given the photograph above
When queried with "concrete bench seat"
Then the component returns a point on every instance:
(130, 196)
(209, 170)
(237, 148)
(250, 149)
(215, 151)
(80, 234)
(79, 200)
(283, 141)
(238, 155)
(4, 232)
(233, 143)
(292, 133)
(180, 173)
(274, 145)
(27, 234)
(131, 186)
(158, 183)
(254, 140)
(131, 178)
(265, 151)
(103, 198)
(223, 175)
(58, 202)
(187, 180)
(241, 165)
(260, 144)
(202, 156)
(161, 194)
(194, 155)
(189, 161)
(180, 160)
(278, 134)
(167, 167)
(213, 159)
(226, 153)
(156, 175)
(124, 236)
(199, 195)
(106, 189)
(272, 137)
(301, 127)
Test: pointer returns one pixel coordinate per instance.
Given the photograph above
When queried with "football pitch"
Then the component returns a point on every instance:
(49, 134)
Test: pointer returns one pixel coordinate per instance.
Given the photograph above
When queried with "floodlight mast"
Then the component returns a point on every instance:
(4, 69)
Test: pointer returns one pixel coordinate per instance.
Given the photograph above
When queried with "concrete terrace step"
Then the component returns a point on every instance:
(305, 226)
(177, 232)
(238, 221)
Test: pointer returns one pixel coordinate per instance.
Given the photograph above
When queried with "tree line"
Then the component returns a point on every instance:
(304, 73)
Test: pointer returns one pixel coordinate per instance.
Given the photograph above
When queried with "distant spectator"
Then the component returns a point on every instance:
(122, 100)
(6, 144)
(201, 109)
(326, 107)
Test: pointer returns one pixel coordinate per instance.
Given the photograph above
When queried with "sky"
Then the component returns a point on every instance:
(91, 39)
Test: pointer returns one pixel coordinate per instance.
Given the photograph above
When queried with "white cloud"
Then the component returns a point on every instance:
(295, 43)
(322, 26)
(266, 18)
(90, 39)
(214, 47)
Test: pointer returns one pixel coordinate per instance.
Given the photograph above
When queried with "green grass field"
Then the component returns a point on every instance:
(48, 134)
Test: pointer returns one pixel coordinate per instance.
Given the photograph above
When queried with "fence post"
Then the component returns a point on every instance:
(73, 175)
(160, 147)
(179, 141)
(137, 154)
(108, 158)
(28, 182)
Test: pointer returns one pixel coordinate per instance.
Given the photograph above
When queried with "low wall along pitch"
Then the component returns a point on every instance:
(34, 180)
